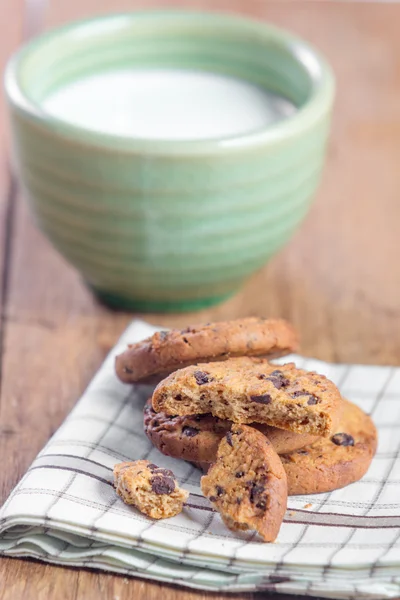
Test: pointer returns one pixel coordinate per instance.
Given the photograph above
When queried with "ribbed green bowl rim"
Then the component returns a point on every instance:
(314, 108)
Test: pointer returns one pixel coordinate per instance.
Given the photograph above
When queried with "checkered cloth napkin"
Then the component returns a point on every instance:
(344, 544)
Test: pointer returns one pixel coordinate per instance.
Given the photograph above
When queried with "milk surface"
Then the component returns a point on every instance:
(169, 104)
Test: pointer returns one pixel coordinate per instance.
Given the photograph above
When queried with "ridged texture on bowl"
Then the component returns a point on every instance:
(163, 226)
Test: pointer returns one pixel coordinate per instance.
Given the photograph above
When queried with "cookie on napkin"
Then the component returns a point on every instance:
(247, 483)
(154, 358)
(251, 390)
(196, 437)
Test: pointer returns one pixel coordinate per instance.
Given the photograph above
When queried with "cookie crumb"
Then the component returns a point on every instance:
(151, 489)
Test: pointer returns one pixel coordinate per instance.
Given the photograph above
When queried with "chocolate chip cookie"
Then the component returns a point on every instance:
(247, 483)
(196, 437)
(334, 462)
(153, 359)
(152, 490)
(330, 463)
(251, 390)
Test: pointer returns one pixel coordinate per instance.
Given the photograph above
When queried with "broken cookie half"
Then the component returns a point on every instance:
(251, 390)
(247, 483)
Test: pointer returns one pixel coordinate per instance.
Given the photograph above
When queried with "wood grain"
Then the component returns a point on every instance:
(338, 280)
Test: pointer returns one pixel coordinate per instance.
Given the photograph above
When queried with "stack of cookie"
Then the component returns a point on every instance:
(260, 431)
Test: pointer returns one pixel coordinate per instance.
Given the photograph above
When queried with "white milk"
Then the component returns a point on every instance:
(168, 105)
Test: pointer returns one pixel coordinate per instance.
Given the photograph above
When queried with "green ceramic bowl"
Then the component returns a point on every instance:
(169, 225)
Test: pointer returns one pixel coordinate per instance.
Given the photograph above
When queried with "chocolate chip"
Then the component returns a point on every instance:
(255, 491)
(278, 379)
(185, 340)
(202, 377)
(212, 498)
(262, 376)
(262, 399)
(239, 474)
(127, 370)
(279, 382)
(229, 438)
(162, 485)
(342, 439)
(166, 472)
(220, 490)
(313, 400)
(190, 431)
(258, 496)
(159, 470)
(299, 393)
(275, 382)
(178, 397)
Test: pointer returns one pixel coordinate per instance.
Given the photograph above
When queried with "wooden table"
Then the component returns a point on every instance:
(338, 280)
